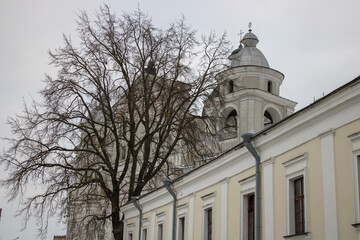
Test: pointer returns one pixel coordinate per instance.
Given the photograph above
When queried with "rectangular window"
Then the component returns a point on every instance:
(295, 180)
(251, 217)
(299, 205)
(247, 208)
(270, 87)
(181, 228)
(355, 140)
(144, 234)
(297, 222)
(208, 224)
(130, 236)
(160, 232)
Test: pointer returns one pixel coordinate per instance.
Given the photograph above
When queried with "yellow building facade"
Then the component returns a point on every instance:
(317, 148)
(309, 174)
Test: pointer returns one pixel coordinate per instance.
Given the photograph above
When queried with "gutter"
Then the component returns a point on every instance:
(135, 201)
(167, 183)
(247, 142)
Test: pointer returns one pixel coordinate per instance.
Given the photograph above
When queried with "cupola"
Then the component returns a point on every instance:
(248, 54)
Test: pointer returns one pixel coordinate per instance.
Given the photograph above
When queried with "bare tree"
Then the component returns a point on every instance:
(126, 100)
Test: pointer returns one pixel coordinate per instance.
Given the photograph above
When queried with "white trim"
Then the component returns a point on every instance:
(178, 226)
(182, 211)
(355, 140)
(296, 164)
(171, 217)
(224, 110)
(247, 187)
(130, 229)
(160, 217)
(224, 207)
(144, 236)
(290, 224)
(205, 222)
(339, 109)
(153, 221)
(356, 167)
(276, 109)
(160, 221)
(208, 203)
(145, 225)
(329, 185)
(191, 216)
(247, 184)
(268, 198)
(295, 168)
(208, 200)
(162, 231)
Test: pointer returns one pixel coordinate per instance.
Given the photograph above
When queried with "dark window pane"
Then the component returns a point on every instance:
(251, 217)
(299, 205)
(209, 216)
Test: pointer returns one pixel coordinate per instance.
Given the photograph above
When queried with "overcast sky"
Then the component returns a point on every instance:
(316, 44)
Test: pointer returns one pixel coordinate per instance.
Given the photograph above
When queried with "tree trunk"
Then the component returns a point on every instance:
(118, 226)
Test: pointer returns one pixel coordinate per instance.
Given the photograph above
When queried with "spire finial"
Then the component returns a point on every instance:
(240, 34)
(250, 24)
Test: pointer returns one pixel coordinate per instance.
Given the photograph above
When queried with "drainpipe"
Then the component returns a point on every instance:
(247, 141)
(167, 183)
(135, 201)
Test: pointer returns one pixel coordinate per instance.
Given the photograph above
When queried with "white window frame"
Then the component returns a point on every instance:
(160, 221)
(144, 234)
(355, 139)
(145, 227)
(130, 230)
(247, 189)
(181, 213)
(295, 169)
(205, 223)
(208, 202)
(181, 228)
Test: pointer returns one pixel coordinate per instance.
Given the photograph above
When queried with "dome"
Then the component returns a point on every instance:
(250, 40)
(249, 54)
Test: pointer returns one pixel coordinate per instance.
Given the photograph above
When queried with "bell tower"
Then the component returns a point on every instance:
(248, 94)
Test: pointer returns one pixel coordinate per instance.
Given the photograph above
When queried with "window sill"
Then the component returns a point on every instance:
(297, 236)
(356, 225)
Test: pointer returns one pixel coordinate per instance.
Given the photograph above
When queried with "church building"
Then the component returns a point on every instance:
(282, 174)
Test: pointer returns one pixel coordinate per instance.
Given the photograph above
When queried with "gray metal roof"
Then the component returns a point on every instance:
(250, 35)
(249, 54)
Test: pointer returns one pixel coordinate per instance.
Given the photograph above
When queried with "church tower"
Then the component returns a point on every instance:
(248, 94)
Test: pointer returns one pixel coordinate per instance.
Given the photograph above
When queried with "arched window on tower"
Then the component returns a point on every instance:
(231, 87)
(268, 119)
(231, 124)
(271, 116)
(270, 87)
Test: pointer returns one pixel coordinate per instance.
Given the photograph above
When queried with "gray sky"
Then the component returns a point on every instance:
(316, 44)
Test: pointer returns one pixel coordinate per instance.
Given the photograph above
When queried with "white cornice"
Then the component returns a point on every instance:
(337, 110)
(207, 175)
(259, 94)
